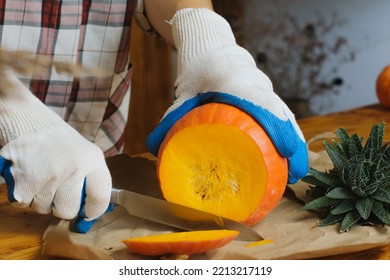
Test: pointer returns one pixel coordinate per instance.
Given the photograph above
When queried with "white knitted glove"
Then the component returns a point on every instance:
(213, 68)
(44, 161)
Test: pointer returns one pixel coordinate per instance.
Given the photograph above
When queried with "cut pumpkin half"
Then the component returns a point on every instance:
(218, 159)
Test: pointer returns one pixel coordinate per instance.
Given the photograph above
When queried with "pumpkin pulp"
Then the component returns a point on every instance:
(218, 159)
(210, 173)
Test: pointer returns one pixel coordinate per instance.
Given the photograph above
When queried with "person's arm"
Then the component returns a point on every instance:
(159, 12)
(212, 67)
(45, 162)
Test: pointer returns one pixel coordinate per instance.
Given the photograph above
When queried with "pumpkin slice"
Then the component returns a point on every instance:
(181, 243)
(218, 159)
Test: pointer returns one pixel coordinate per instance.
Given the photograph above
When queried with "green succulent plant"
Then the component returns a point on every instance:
(357, 189)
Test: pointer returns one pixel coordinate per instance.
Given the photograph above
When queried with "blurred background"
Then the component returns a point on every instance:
(322, 57)
(327, 52)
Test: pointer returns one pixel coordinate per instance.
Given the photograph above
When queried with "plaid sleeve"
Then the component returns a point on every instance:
(94, 33)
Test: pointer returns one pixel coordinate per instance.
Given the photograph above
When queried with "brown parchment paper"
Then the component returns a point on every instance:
(293, 231)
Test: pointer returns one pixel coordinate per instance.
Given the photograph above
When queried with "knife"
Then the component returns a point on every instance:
(178, 216)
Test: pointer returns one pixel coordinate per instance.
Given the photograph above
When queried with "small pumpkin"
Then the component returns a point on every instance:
(218, 159)
(181, 243)
(383, 87)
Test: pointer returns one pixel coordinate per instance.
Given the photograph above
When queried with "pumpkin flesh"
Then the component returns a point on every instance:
(181, 243)
(208, 174)
(219, 159)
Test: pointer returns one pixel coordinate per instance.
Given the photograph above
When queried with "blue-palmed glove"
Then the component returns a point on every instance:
(45, 162)
(213, 68)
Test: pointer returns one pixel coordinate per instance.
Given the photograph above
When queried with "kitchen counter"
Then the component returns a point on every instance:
(21, 230)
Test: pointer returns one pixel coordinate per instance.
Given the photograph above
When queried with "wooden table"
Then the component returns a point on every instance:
(21, 230)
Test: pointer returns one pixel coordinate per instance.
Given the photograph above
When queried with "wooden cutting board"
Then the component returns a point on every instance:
(21, 230)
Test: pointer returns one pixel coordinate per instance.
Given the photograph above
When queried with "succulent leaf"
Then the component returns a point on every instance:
(382, 195)
(375, 139)
(344, 207)
(316, 192)
(337, 159)
(328, 179)
(364, 206)
(349, 220)
(320, 203)
(340, 193)
(381, 212)
(355, 145)
(330, 220)
(344, 140)
(310, 179)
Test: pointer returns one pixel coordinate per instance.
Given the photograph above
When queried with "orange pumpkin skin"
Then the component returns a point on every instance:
(181, 243)
(383, 87)
(274, 173)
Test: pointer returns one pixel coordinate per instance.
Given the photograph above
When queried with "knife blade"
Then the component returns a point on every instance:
(178, 216)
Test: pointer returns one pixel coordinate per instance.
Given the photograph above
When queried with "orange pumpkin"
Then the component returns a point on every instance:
(181, 243)
(383, 87)
(218, 159)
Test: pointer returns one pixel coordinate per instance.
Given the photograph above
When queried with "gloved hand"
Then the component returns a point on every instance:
(213, 68)
(44, 161)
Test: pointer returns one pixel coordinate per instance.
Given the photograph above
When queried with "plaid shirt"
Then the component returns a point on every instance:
(95, 33)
